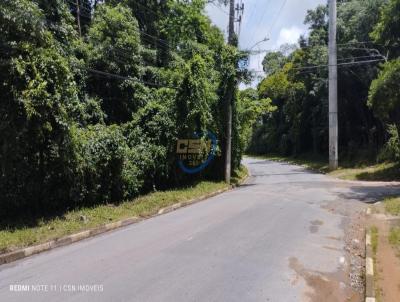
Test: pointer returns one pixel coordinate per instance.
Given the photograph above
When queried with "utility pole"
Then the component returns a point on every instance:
(229, 98)
(333, 88)
(78, 17)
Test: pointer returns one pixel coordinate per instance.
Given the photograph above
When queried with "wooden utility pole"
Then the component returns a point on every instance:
(229, 99)
(333, 88)
(78, 17)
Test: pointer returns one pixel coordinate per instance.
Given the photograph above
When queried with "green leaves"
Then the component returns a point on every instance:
(250, 110)
(114, 48)
(106, 172)
(384, 94)
(387, 29)
(297, 83)
(95, 119)
(195, 98)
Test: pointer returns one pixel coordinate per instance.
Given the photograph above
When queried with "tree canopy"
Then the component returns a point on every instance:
(94, 99)
(368, 92)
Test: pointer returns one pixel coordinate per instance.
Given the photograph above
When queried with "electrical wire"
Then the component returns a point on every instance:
(339, 64)
(277, 17)
(119, 77)
(220, 8)
(260, 20)
(312, 67)
(165, 43)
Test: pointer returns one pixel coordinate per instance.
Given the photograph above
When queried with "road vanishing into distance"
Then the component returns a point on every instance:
(287, 234)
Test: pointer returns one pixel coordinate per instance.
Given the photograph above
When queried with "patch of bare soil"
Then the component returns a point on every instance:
(325, 287)
(315, 224)
(353, 224)
(355, 251)
(387, 262)
(347, 284)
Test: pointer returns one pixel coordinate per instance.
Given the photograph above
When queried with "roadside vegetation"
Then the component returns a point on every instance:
(92, 104)
(369, 101)
(392, 207)
(28, 231)
(394, 238)
(374, 244)
(385, 240)
(374, 240)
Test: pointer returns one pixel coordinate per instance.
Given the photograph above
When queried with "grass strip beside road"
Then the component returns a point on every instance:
(374, 244)
(392, 206)
(394, 238)
(347, 170)
(43, 230)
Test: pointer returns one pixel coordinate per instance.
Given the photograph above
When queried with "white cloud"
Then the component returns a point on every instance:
(289, 35)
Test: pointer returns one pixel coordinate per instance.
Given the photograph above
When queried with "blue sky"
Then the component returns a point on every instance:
(279, 20)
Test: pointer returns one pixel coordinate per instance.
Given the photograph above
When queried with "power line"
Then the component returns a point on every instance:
(276, 18)
(165, 43)
(252, 11)
(109, 75)
(360, 57)
(340, 64)
(372, 50)
(144, 33)
(358, 42)
(260, 20)
(361, 62)
(220, 8)
(312, 67)
(278, 15)
(119, 77)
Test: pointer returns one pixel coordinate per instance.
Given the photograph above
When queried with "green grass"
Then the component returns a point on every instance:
(12, 238)
(374, 244)
(394, 236)
(375, 172)
(374, 239)
(347, 170)
(392, 205)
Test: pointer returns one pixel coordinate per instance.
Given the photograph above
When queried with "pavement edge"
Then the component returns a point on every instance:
(369, 267)
(66, 240)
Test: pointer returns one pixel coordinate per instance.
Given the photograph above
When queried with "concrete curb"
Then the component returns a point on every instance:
(36, 249)
(369, 267)
(195, 200)
(59, 242)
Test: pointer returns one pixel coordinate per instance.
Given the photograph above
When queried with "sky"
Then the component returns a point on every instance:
(281, 21)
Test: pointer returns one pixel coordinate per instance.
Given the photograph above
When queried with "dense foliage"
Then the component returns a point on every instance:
(93, 100)
(369, 99)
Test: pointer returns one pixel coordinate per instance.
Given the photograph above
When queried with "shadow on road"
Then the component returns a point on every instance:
(370, 194)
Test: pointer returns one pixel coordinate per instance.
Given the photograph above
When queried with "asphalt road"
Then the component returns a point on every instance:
(280, 237)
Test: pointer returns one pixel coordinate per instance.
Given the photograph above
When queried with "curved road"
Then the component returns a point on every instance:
(279, 237)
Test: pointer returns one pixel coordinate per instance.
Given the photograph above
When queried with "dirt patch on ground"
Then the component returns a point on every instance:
(322, 286)
(346, 284)
(387, 268)
(353, 224)
(332, 248)
(355, 250)
(315, 224)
